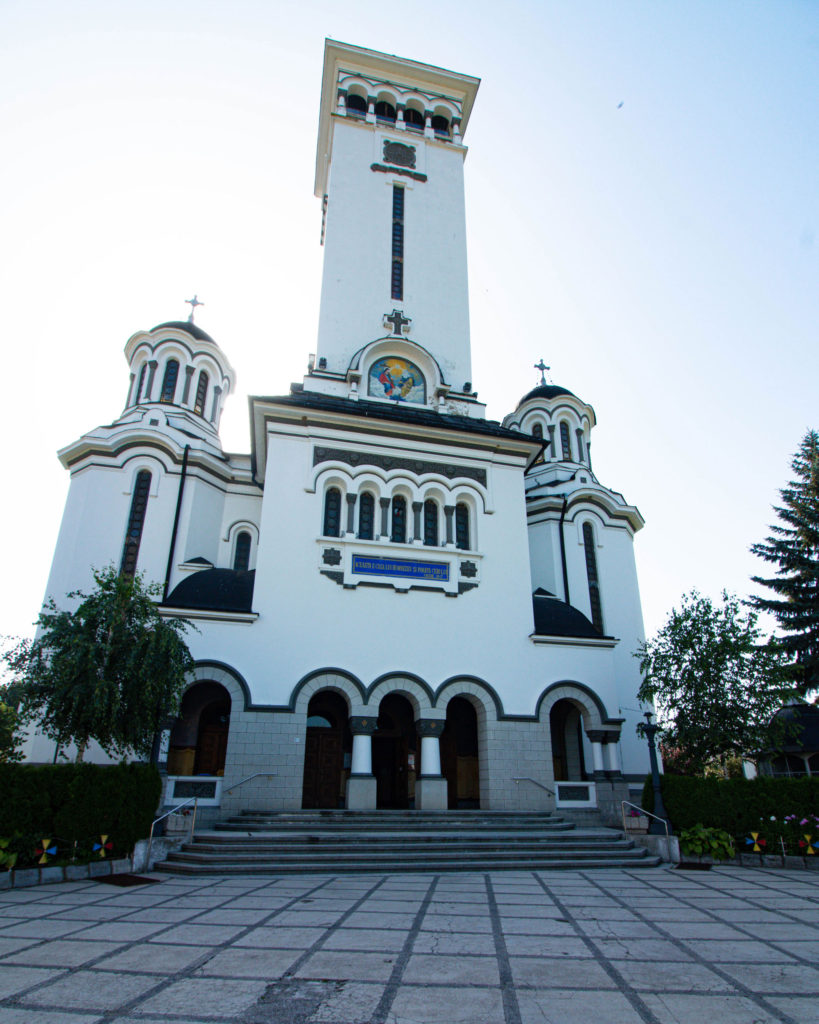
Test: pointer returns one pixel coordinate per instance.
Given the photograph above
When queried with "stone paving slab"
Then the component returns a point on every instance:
(647, 946)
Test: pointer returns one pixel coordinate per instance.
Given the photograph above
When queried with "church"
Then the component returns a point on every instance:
(399, 602)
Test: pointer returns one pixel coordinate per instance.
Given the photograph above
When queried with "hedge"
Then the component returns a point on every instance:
(73, 805)
(741, 806)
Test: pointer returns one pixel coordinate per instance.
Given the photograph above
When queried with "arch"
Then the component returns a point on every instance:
(414, 116)
(336, 679)
(566, 735)
(199, 737)
(385, 108)
(440, 123)
(241, 551)
(220, 672)
(593, 708)
(356, 101)
(403, 348)
(417, 692)
(476, 690)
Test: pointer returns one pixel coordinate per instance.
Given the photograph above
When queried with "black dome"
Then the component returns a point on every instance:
(184, 325)
(215, 590)
(546, 391)
(554, 617)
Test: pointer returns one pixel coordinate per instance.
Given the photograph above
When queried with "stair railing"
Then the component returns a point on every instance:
(626, 803)
(255, 775)
(191, 800)
(525, 778)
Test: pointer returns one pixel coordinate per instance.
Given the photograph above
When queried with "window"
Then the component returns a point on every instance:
(356, 105)
(398, 533)
(537, 431)
(440, 125)
(241, 557)
(385, 112)
(565, 441)
(136, 520)
(366, 516)
(332, 513)
(140, 383)
(169, 381)
(462, 526)
(591, 573)
(414, 119)
(201, 393)
(430, 523)
(397, 281)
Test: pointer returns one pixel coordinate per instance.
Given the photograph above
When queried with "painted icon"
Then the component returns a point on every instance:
(398, 379)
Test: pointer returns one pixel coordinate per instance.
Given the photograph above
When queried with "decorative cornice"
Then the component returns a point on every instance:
(388, 462)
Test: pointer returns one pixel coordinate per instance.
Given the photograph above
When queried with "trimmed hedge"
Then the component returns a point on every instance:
(740, 806)
(76, 804)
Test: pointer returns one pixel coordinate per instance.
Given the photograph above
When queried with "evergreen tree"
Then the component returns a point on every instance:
(793, 548)
(112, 670)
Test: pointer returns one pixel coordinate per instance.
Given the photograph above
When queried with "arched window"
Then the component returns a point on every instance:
(580, 447)
(136, 520)
(169, 381)
(566, 441)
(140, 383)
(440, 125)
(414, 119)
(366, 516)
(398, 533)
(201, 393)
(462, 526)
(591, 573)
(397, 272)
(356, 105)
(385, 112)
(537, 431)
(430, 523)
(332, 513)
(241, 556)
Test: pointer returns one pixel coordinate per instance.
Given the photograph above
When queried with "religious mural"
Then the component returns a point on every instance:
(398, 379)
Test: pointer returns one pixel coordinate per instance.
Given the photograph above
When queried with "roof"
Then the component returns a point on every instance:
(396, 413)
(215, 590)
(554, 617)
(185, 325)
(546, 391)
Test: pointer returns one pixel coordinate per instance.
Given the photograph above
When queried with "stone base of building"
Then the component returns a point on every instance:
(361, 793)
(431, 794)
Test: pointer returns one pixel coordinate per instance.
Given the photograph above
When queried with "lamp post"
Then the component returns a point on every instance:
(656, 827)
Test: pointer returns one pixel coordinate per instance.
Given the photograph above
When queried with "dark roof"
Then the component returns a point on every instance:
(184, 325)
(396, 412)
(215, 590)
(554, 617)
(805, 718)
(546, 391)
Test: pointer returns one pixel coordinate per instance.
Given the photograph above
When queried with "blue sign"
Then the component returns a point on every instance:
(366, 565)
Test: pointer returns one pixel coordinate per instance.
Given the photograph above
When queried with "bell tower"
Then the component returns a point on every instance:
(389, 171)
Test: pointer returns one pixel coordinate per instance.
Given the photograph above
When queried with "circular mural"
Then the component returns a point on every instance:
(398, 379)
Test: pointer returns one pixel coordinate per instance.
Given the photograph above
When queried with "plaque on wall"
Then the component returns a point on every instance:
(403, 568)
(398, 153)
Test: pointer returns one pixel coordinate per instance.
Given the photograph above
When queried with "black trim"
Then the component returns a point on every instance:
(182, 475)
(415, 175)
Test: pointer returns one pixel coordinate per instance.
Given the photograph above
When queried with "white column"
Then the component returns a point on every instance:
(597, 756)
(362, 760)
(613, 757)
(430, 755)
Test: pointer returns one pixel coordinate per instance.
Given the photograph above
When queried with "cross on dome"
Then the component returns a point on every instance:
(543, 370)
(194, 302)
(400, 323)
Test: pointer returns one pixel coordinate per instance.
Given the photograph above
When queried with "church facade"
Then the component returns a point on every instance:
(399, 603)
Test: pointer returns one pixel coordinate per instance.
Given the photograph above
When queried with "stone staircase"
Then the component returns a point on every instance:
(348, 842)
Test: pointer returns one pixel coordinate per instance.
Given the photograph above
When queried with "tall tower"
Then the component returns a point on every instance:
(389, 169)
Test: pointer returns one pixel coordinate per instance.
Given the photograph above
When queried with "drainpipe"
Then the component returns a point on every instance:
(182, 476)
(563, 550)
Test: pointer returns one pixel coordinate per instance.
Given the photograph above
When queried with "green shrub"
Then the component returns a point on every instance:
(73, 805)
(707, 842)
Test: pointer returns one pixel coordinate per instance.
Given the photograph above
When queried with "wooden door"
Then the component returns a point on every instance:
(322, 769)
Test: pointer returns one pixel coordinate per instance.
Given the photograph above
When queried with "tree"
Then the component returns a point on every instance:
(112, 670)
(9, 725)
(793, 548)
(715, 681)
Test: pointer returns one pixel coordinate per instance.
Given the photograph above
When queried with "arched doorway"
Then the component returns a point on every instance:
(395, 753)
(327, 751)
(199, 738)
(459, 754)
(566, 726)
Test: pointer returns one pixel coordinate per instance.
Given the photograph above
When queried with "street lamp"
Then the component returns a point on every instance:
(656, 828)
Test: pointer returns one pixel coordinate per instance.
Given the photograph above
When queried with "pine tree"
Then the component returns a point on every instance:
(793, 548)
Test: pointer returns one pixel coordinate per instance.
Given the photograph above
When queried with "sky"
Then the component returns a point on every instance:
(642, 213)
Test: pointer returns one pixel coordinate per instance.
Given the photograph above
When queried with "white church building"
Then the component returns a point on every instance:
(399, 603)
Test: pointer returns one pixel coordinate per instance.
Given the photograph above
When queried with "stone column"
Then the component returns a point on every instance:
(449, 512)
(416, 537)
(430, 786)
(552, 450)
(217, 391)
(613, 770)
(361, 785)
(385, 509)
(152, 365)
(596, 737)
(187, 388)
(351, 500)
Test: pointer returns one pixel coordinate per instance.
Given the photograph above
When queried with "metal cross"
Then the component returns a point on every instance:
(398, 321)
(194, 302)
(543, 368)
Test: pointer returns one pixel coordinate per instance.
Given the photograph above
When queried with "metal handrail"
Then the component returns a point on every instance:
(255, 775)
(525, 778)
(191, 799)
(627, 803)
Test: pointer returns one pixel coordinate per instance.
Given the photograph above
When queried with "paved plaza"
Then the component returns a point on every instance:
(612, 946)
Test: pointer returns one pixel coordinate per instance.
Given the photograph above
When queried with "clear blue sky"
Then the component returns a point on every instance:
(642, 211)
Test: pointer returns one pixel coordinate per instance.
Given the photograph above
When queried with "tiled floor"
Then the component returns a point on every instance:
(618, 947)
